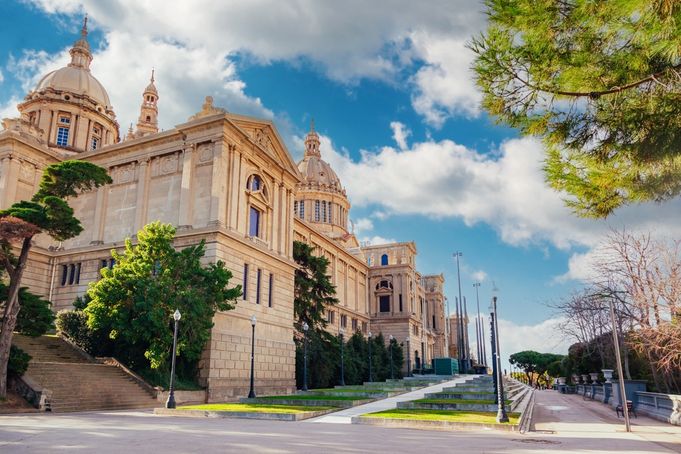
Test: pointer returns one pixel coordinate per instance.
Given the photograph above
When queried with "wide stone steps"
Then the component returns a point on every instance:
(77, 384)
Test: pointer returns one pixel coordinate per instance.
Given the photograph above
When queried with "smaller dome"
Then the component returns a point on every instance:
(75, 80)
(151, 88)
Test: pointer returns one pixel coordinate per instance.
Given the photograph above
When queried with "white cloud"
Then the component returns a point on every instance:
(445, 85)
(479, 276)
(503, 188)
(376, 240)
(544, 337)
(2, 77)
(400, 134)
(362, 225)
(386, 40)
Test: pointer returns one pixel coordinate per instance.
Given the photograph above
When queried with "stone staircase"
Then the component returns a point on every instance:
(77, 383)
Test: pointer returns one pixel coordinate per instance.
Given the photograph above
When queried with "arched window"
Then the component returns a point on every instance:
(254, 183)
(148, 118)
(384, 260)
(323, 210)
(316, 210)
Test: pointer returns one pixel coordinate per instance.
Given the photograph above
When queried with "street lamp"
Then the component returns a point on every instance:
(305, 328)
(251, 393)
(501, 412)
(392, 373)
(460, 322)
(341, 331)
(478, 326)
(170, 403)
(370, 376)
(407, 340)
(494, 354)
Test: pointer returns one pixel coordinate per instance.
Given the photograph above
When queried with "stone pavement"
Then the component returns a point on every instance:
(345, 416)
(570, 419)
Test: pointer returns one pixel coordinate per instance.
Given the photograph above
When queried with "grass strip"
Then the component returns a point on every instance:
(310, 397)
(479, 417)
(254, 408)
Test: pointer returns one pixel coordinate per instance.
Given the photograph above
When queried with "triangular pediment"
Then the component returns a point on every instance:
(264, 134)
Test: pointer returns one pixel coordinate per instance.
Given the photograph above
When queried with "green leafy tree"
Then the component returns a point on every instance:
(599, 82)
(47, 212)
(135, 300)
(314, 292)
(534, 364)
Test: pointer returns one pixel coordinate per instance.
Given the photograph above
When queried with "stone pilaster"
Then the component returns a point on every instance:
(186, 190)
(143, 175)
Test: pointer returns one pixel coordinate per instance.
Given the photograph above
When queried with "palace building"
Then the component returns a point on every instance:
(227, 179)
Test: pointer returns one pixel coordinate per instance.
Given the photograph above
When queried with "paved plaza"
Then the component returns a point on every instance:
(563, 424)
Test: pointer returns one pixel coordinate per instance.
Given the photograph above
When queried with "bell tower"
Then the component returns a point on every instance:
(148, 120)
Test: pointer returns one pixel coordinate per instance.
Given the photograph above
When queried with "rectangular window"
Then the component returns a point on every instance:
(384, 303)
(258, 276)
(65, 120)
(364, 327)
(400, 302)
(354, 324)
(433, 322)
(254, 222)
(295, 208)
(78, 273)
(244, 286)
(302, 209)
(323, 211)
(95, 143)
(316, 210)
(104, 264)
(344, 321)
(271, 289)
(332, 317)
(72, 273)
(62, 136)
(112, 263)
(64, 274)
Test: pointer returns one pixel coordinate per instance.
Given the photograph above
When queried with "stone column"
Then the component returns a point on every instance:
(276, 217)
(186, 186)
(218, 190)
(100, 214)
(4, 171)
(234, 189)
(142, 194)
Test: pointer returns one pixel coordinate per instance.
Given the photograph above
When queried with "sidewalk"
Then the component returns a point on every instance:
(345, 416)
(596, 426)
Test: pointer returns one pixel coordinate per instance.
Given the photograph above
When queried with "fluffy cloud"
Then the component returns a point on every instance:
(400, 134)
(388, 40)
(503, 188)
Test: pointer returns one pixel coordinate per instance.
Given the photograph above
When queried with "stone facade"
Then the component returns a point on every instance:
(226, 179)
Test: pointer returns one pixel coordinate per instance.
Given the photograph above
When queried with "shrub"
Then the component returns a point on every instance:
(18, 361)
(73, 324)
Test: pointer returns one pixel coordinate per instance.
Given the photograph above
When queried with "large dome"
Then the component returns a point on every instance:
(77, 80)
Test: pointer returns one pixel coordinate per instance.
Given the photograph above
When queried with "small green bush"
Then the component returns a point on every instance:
(18, 361)
(73, 324)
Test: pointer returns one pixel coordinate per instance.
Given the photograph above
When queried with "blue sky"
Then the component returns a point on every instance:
(389, 87)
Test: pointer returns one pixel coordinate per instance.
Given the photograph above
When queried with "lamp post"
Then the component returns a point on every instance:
(341, 331)
(305, 328)
(370, 376)
(170, 403)
(618, 357)
(501, 412)
(407, 340)
(251, 393)
(478, 325)
(392, 373)
(494, 355)
(462, 353)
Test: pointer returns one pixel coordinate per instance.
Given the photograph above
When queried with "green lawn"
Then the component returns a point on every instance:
(254, 408)
(479, 417)
(457, 401)
(311, 397)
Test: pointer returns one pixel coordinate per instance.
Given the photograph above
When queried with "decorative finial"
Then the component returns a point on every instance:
(152, 75)
(312, 125)
(83, 31)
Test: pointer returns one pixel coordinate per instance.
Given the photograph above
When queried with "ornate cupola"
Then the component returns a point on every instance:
(320, 197)
(148, 120)
(70, 108)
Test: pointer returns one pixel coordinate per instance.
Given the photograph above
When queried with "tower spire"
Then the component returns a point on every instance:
(148, 119)
(312, 142)
(81, 57)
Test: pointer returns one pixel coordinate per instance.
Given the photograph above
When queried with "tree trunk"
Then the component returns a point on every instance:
(9, 320)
